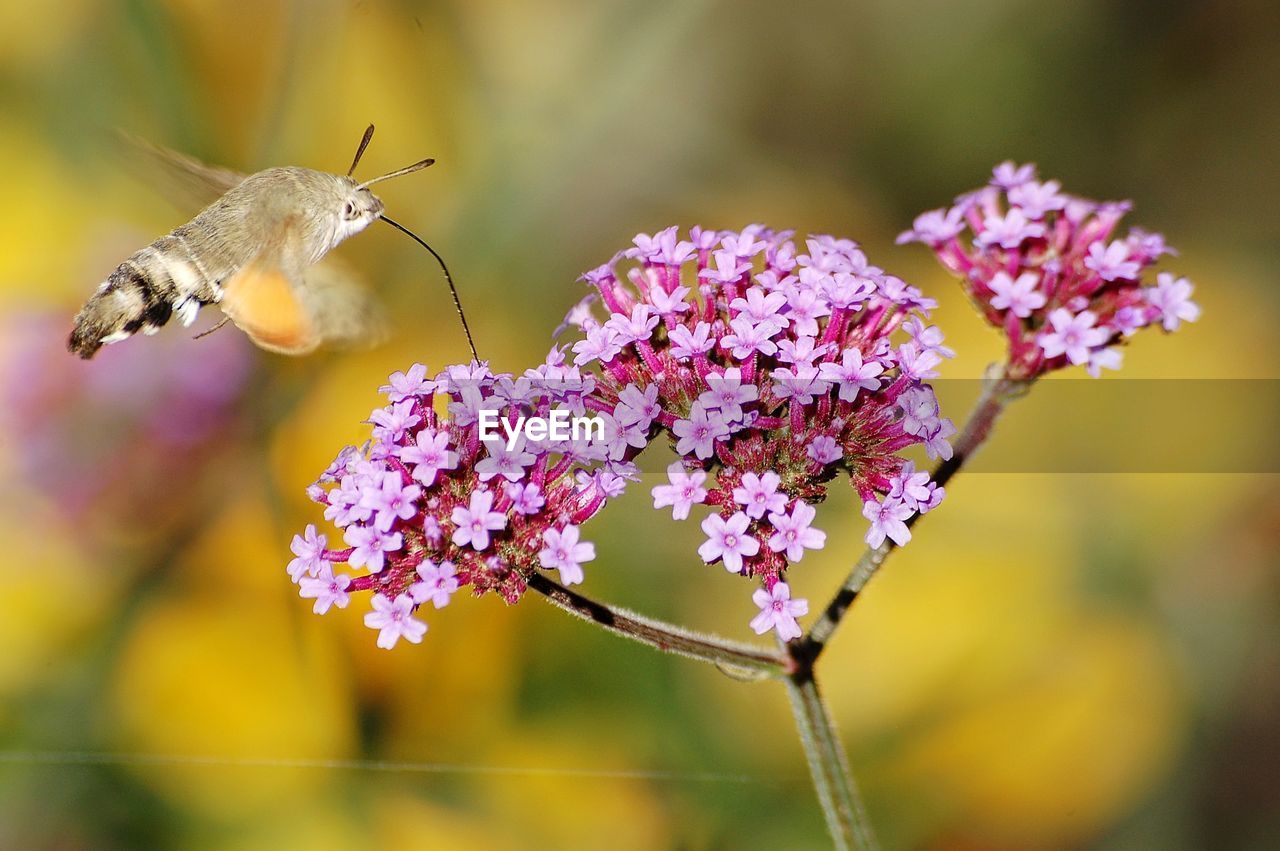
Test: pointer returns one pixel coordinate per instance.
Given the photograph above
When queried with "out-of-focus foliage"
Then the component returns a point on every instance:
(1056, 660)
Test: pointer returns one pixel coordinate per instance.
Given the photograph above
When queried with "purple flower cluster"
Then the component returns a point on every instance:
(1043, 266)
(427, 506)
(771, 369)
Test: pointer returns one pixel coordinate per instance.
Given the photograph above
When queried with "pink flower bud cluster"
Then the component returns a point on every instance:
(771, 370)
(1046, 268)
(427, 507)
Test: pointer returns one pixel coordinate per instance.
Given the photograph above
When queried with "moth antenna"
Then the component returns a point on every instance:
(409, 169)
(364, 143)
(466, 329)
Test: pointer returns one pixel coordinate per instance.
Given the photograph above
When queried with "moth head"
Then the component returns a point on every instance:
(358, 207)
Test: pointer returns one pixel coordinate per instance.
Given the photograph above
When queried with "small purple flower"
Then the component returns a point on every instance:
(847, 291)
(638, 407)
(1100, 359)
(476, 521)
(1130, 318)
(565, 553)
(760, 306)
(344, 503)
(466, 409)
(802, 350)
(1112, 262)
(601, 343)
(526, 498)
(309, 551)
(1073, 336)
(704, 239)
(928, 337)
(685, 490)
(888, 519)
(699, 433)
(1020, 296)
(436, 582)
(759, 495)
(728, 268)
(778, 612)
(937, 441)
(579, 316)
(915, 490)
(728, 394)
(340, 465)
(394, 620)
(920, 412)
(728, 540)
(501, 461)
(934, 227)
(1008, 175)
(824, 449)
(408, 385)
(429, 454)
(390, 499)
(916, 363)
(636, 327)
(852, 374)
(686, 344)
(1150, 246)
(744, 244)
(804, 309)
(390, 425)
(748, 337)
(1009, 231)
(663, 247)
(800, 385)
(1172, 297)
(327, 590)
(371, 546)
(793, 534)
(669, 303)
(1036, 199)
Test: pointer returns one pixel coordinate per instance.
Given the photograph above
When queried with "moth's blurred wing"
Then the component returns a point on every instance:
(343, 311)
(184, 180)
(293, 312)
(262, 300)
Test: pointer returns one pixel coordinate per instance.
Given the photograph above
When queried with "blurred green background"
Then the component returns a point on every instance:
(1057, 661)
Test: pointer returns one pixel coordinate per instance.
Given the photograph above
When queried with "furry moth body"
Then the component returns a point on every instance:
(254, 252)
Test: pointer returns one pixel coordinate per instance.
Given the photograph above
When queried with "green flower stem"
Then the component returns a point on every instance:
(743, 661)
(837, 793)
(998, 389)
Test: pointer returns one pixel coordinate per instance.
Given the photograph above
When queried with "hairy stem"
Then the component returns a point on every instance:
(997, 391)
(742, 661)
(837, 793)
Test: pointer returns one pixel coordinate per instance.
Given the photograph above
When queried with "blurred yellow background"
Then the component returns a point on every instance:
(1057, 660)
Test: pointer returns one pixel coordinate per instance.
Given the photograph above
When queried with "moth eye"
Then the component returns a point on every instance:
(349, 210)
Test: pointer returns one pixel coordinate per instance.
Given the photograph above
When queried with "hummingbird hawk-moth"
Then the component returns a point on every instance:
(256, 253)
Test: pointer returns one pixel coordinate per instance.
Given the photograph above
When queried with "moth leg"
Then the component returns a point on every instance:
(205, 333)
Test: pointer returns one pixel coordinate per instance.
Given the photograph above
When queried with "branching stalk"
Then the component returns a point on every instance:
(739, 660)
(997, 391)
